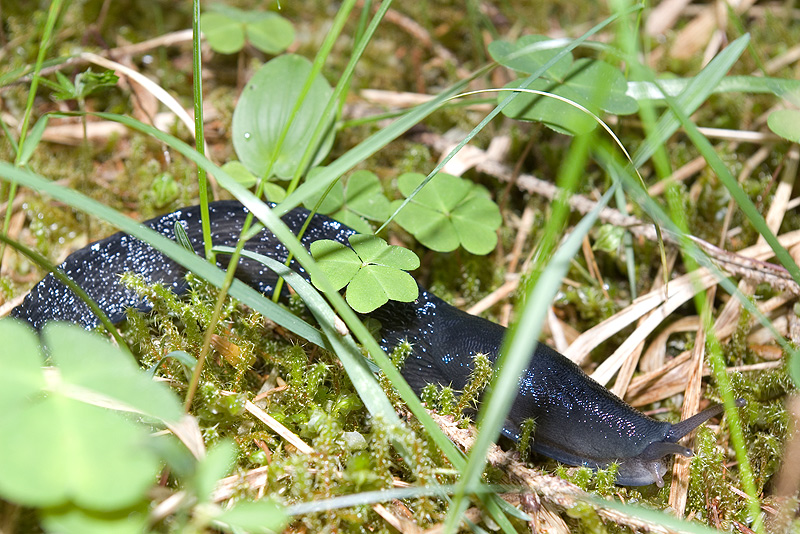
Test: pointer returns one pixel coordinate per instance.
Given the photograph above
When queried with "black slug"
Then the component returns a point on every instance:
(578, 422)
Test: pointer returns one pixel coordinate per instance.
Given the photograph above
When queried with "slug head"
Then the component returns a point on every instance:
(650, 465)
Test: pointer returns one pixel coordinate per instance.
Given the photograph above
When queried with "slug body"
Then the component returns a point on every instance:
(578, 422)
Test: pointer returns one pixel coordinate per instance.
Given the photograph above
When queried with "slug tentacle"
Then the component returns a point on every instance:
(578, 421)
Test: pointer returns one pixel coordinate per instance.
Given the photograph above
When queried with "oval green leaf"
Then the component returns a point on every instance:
(263, 113)
(529, 54)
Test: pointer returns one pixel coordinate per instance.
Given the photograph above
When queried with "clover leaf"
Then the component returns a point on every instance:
(264, 110)
(228, 28)
(59, 446)
(355, 203)
(449, 211)
(374, 270)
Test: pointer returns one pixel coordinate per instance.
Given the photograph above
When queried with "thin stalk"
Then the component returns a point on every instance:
(52, 17)
(199, 136)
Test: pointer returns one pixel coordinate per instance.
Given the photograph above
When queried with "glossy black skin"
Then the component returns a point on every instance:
(578, 422)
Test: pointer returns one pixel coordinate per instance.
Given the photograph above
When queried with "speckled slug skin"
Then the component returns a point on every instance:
(578, 421)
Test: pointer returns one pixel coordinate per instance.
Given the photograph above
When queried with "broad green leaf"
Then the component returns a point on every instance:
(270, 33)
(449, 211)
(56, 449)
(257, 517)
(59, 450)
(561, 116)
(72, 520)
(529, 54)
(21, 362)
(593, 84)
(224, 35)
(786, 123)
(339, 263)
(89, 361)
(218, 462)
(264, 110)
(602, 85)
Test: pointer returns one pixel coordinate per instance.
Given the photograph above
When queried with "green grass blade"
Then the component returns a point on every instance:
(199, 136)
(516, 353)
(693, 95)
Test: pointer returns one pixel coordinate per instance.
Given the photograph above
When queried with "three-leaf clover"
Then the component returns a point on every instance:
(449, 211)
(373, 271)
(227, 28)
(355, 203)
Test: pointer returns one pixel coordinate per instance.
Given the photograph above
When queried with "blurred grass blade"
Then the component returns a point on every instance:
(694, 94)
(729, 84)
(518, 347)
